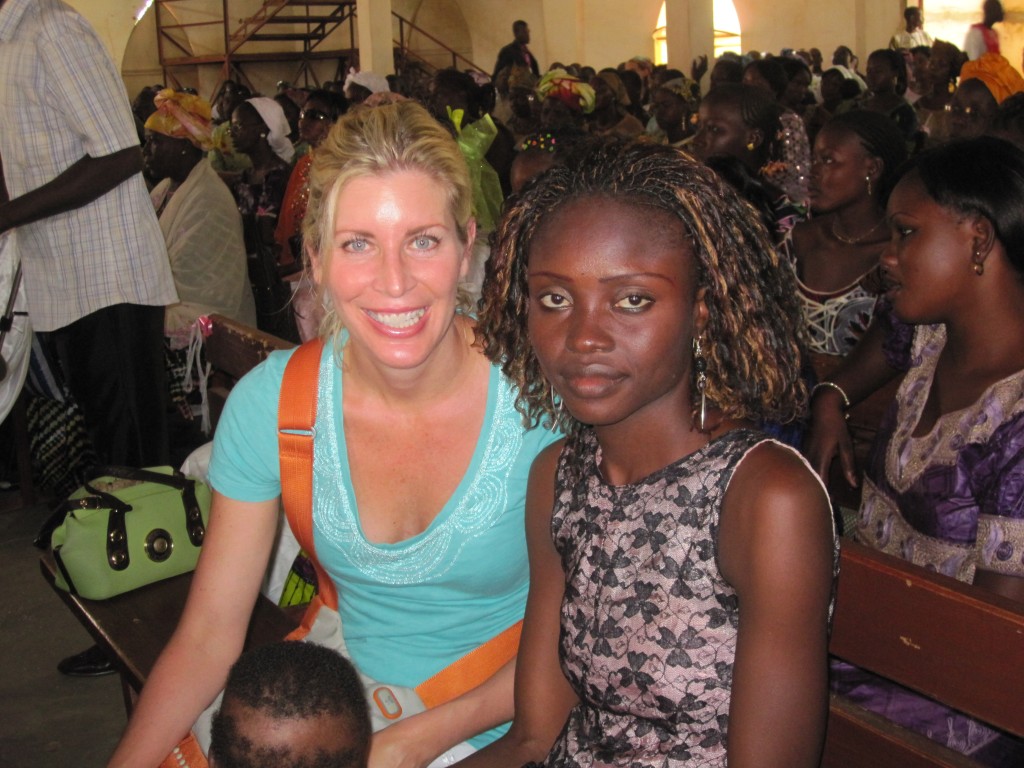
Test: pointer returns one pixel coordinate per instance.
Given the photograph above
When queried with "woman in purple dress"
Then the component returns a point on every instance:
(944, 487)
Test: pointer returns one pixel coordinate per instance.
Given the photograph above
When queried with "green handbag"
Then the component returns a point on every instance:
(129, 528)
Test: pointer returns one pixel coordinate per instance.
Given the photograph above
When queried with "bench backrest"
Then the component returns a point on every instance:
(956, 643)
(233, 349)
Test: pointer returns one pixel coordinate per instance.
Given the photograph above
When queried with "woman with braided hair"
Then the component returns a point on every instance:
(680, 562)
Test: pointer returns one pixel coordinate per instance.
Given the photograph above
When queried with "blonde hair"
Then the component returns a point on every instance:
(372, 142)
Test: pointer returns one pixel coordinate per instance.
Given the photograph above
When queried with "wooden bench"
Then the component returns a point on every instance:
(133, 628)
(953, 642)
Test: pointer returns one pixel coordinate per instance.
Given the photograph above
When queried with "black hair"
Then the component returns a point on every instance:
(757, 110)
(753, 310)
(880, 138)
(336, 104)
(896, 63)
(773, 73)
(731, 68)
(792, 66)
(291, 680)
(479, 98)
(983, 176)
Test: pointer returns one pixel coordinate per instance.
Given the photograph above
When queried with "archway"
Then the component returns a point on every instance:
(726, 28)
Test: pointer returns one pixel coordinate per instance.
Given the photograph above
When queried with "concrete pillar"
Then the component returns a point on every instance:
(375, 41)
(690, 31)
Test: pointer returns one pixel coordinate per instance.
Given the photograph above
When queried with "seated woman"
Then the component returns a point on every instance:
(680, 562)
(944, 487)
(675, 106)
(610, 116)
(887, 82)
(793, 173)
(985, 83)
(836, 252)
(420, 457)
(198, 217)
(742, 121)
(942, 73)
(260, 130)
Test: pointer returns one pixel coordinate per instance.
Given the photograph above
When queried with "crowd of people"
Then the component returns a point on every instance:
(553, 318)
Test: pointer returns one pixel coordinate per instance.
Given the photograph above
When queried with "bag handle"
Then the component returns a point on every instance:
(194, 525)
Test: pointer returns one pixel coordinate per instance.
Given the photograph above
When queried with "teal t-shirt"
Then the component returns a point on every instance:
(412, 608)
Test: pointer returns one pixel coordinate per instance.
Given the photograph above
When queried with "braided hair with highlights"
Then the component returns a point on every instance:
(753, 356)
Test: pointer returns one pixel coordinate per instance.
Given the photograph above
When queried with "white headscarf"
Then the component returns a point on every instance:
(371, 81)
(275, 120)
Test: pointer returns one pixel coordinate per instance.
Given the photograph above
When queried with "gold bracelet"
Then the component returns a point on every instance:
(836, 387)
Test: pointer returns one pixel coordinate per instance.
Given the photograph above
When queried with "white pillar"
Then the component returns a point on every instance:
(376, 44)
(690, 32)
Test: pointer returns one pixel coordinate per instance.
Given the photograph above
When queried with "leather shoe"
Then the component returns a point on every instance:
(89, 663)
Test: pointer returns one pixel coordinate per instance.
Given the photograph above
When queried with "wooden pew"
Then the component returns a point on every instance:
(233, 349)
(133, 628)
(956, 643)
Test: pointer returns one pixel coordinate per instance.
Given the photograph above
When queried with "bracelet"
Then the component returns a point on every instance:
(836, 387)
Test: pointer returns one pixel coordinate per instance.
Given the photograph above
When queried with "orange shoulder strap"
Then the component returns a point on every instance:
(296, 417)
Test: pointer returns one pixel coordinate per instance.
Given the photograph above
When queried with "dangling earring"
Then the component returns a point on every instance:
(868, 180)
(951, 87)
(700, 367)
(979, 263)
(556, 406)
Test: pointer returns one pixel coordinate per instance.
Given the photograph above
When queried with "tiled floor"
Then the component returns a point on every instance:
(46, 720)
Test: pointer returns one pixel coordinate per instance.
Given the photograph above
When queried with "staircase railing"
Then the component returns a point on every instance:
(404, 50)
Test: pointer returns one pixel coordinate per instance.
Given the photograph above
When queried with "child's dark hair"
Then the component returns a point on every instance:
(754, 316)
(291, 680)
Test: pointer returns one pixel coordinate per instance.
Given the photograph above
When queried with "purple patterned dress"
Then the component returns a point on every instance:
(951, 501)
(649, 625)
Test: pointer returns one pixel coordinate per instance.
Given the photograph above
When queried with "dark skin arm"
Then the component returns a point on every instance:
(863, 371)
(542, 694)
(83, 182)
(775, 549)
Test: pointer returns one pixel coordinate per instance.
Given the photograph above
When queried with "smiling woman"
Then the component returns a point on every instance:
(420, 456)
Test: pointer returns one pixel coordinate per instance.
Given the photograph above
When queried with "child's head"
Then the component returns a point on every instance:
(670, 205)
(291, 705)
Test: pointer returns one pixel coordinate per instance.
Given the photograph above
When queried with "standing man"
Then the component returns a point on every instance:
(981, 38)
(914, 35)
(517, 53)
(97, 275)
(96, 271)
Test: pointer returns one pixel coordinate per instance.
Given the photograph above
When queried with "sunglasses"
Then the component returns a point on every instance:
(312, 114)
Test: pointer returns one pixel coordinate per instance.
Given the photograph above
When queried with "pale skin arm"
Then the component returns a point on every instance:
(543, 695)
(863, 371)
(418, 740)
(83, 182)
(775, 549)
(193, 667)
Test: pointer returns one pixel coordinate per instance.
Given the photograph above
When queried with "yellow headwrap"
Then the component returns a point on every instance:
(559, 84)
(182, 116)
(998, 75)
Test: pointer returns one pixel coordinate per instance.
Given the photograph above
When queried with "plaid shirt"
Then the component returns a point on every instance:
(61, 98)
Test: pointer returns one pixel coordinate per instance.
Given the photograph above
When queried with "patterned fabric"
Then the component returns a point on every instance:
(61, 98)
(951, 501)
(649, 625)
(836, 320)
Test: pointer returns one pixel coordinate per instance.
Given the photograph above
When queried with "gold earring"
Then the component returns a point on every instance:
(868, 180)
(978, 262)
(751, 146)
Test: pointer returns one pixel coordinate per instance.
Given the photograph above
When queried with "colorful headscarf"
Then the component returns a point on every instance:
(998, 75)
(573, 92)
(683, 88)
(273, 117)
(182, 116)
(614, 82)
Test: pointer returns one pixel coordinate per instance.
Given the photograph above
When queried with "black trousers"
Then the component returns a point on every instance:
(113, 363)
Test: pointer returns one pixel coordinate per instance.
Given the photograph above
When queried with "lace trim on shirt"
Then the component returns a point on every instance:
(880, 526)
(431, 554)
(907, 457)
(1001, 544)
(836, 321)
